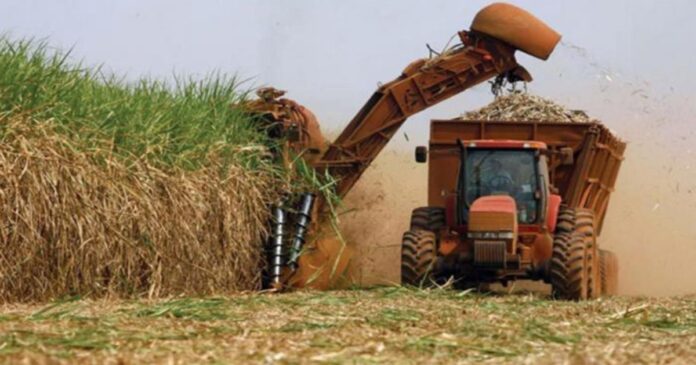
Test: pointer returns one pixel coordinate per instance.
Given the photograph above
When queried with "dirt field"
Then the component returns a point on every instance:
(392, 325)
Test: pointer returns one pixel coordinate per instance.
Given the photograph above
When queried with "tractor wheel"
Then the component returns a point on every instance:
(418, 257)
(428, 219)
(585, 224)
(574, 269)
(608, 272)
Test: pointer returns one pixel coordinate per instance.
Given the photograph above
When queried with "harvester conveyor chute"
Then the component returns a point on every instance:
(485, 52)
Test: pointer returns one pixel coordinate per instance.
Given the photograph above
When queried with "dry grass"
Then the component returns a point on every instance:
(387, 325)
(169, 124)
(526, 107)
(88, 223)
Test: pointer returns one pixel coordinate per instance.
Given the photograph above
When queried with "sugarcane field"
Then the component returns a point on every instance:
(356, 182)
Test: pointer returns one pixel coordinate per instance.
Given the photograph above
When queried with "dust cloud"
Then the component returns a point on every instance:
(378, 211)
(651, 223)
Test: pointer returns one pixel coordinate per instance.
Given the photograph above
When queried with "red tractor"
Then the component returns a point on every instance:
(515, 200)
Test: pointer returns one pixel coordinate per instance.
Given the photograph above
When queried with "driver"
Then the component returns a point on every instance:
(497, 179)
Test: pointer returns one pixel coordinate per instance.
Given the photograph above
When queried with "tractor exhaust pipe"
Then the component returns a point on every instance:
(301, 226)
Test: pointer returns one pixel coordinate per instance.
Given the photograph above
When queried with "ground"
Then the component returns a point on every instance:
(384, 325)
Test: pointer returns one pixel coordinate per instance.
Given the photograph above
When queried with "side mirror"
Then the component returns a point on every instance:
(567, 156)
(421, 154)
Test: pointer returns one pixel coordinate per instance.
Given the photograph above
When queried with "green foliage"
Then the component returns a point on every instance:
(170, 125)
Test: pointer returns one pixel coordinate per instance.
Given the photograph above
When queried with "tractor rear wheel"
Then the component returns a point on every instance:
(418, 258)
(428, 219)
(574, 269)
(608, 272)
(585, 224)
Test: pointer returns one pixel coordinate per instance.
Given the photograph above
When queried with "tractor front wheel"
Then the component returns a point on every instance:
(418, 258)
(428, 219)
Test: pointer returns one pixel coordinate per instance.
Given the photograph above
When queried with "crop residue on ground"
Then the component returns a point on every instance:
(396, 325)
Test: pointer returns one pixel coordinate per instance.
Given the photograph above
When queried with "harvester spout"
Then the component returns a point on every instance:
(518, 28)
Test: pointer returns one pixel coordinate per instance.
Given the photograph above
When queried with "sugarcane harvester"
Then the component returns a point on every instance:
(485, 52)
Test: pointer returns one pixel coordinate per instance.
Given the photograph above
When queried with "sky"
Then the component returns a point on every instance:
(330, 55)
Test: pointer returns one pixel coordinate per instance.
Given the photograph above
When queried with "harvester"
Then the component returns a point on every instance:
(505, 240)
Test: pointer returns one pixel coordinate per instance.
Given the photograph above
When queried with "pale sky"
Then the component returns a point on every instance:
(330, 55)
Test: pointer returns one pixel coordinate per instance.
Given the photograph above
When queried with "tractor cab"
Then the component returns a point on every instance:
(514, 169)
(502, 186)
